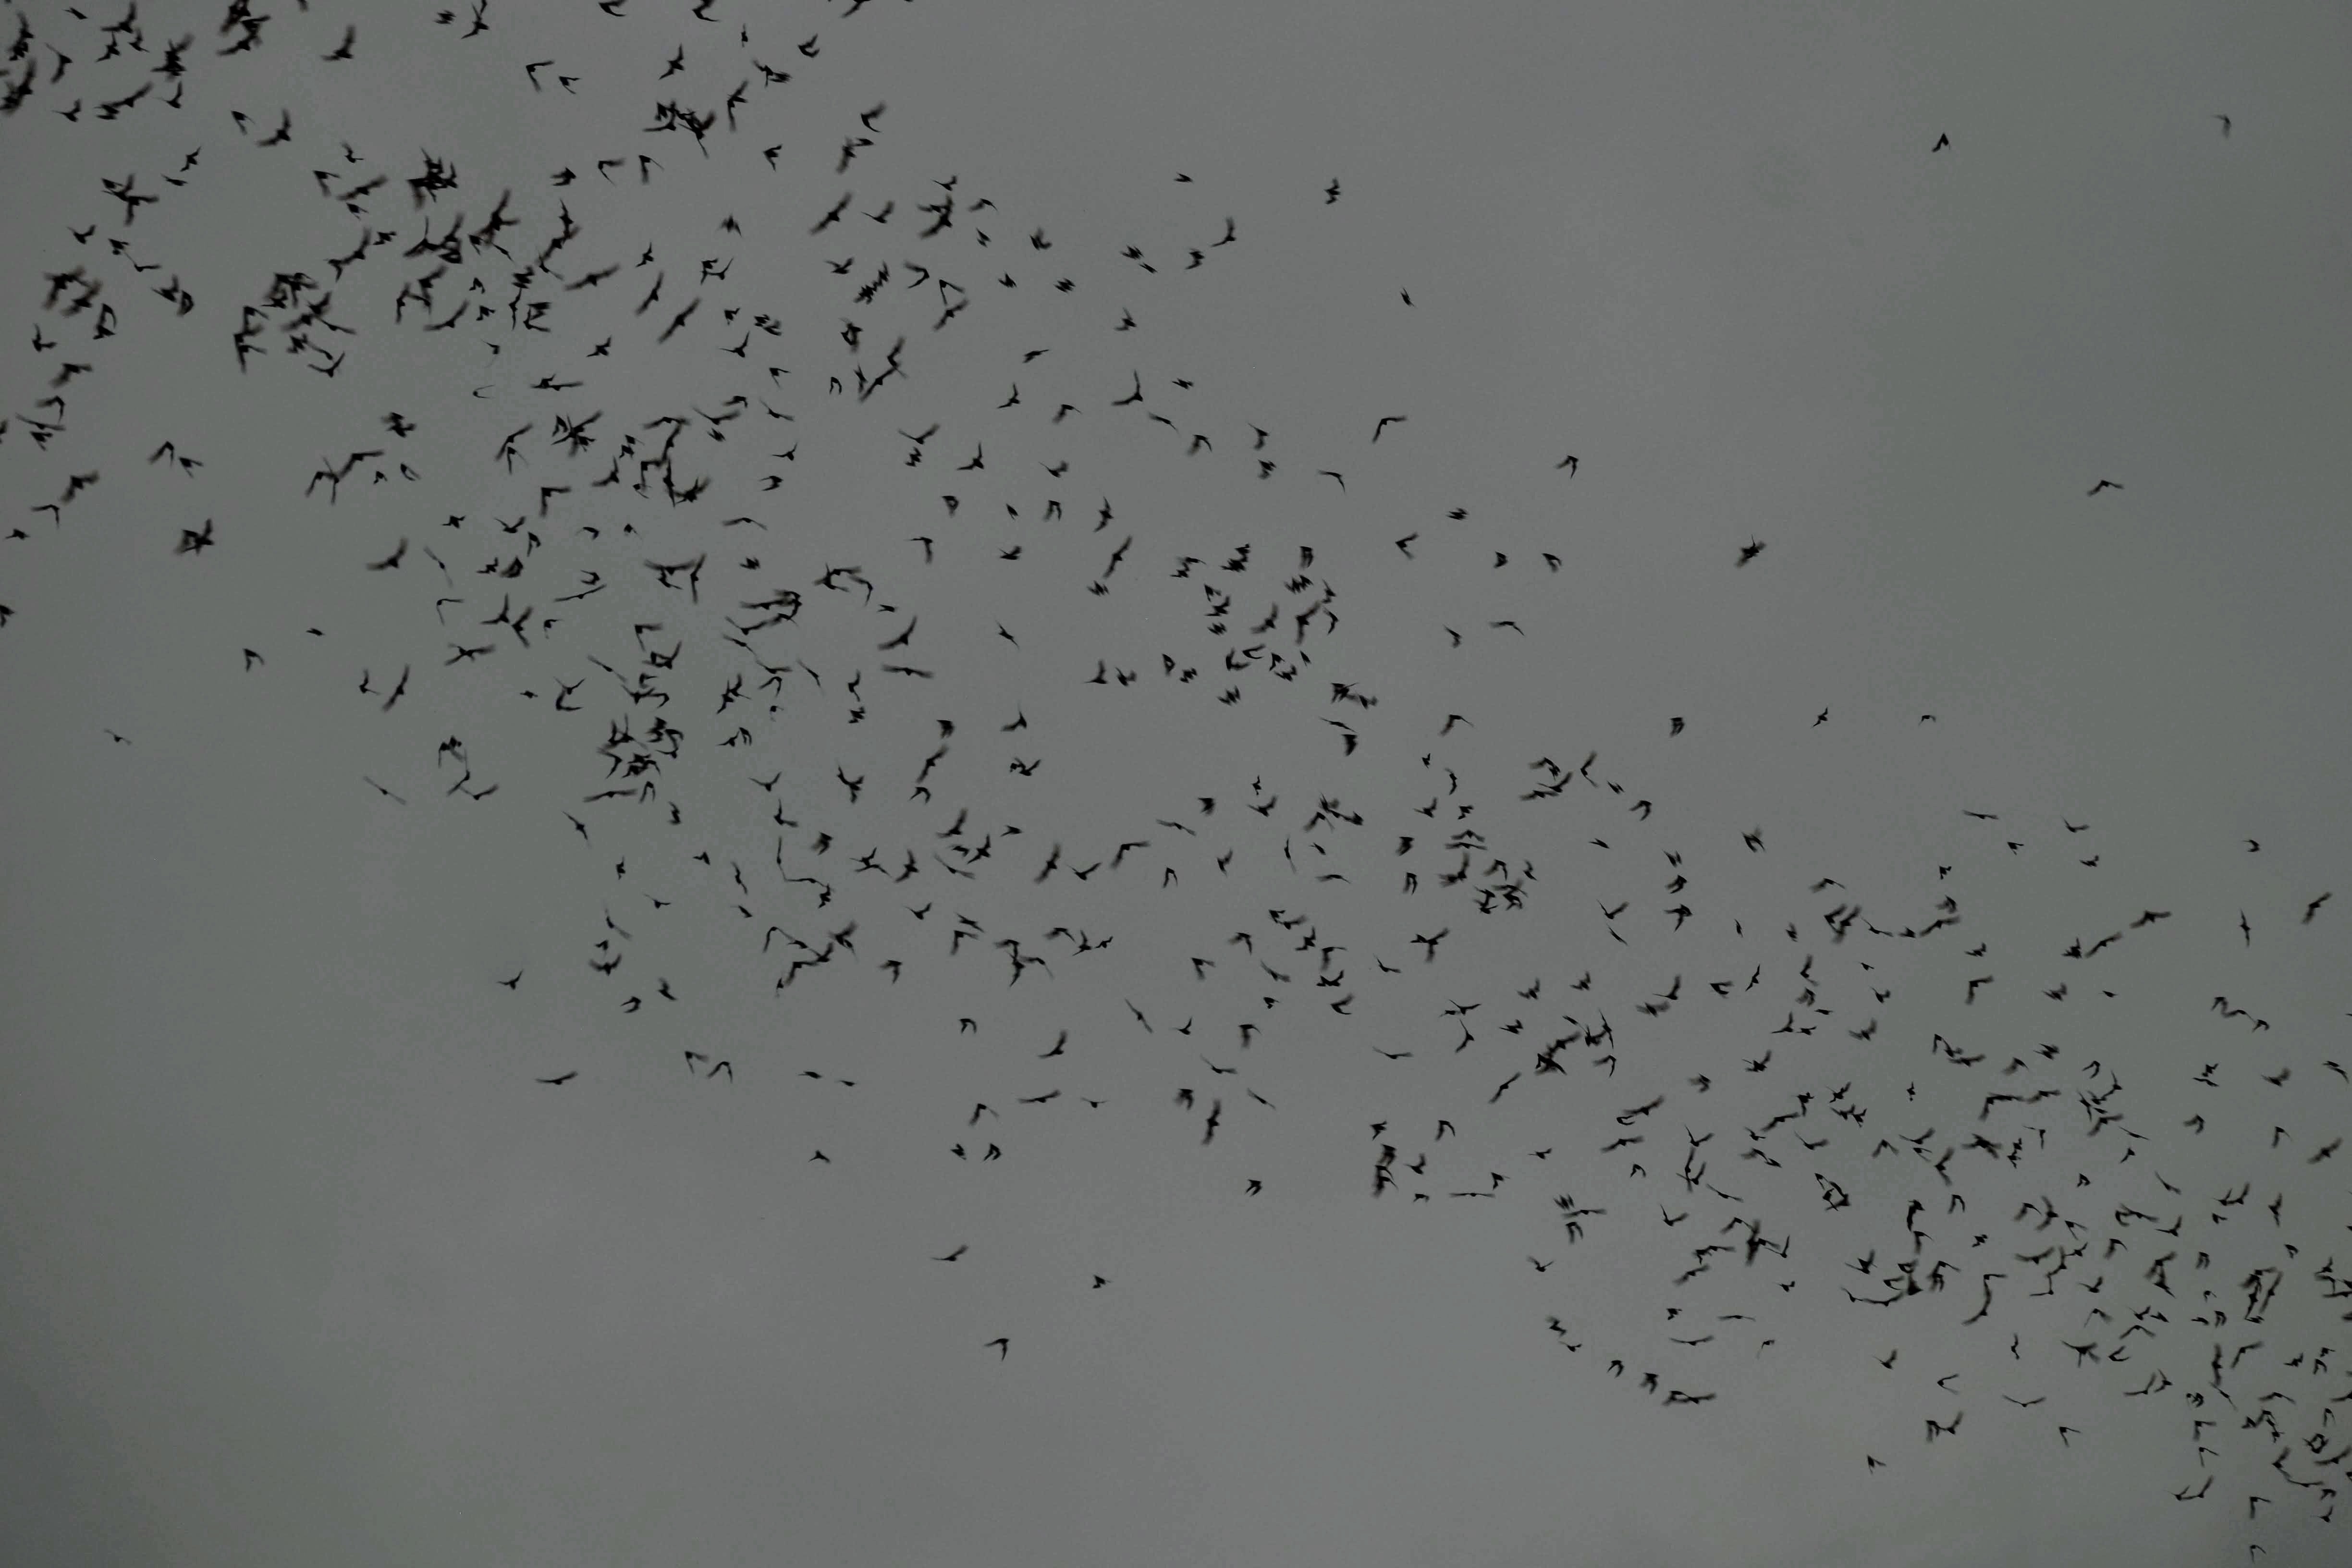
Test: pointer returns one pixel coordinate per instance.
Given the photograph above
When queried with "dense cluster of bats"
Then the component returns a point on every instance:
(896, 753)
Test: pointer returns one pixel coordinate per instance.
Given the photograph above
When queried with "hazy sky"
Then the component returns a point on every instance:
(305, 1261)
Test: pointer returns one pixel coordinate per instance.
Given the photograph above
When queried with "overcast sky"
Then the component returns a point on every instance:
(306, 1260)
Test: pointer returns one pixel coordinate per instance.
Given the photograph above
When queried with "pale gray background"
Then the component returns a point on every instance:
(302, 1266)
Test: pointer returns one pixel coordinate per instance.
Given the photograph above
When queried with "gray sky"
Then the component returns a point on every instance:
(304, 1264)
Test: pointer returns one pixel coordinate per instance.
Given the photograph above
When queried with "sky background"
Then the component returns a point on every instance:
(303, 1265)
